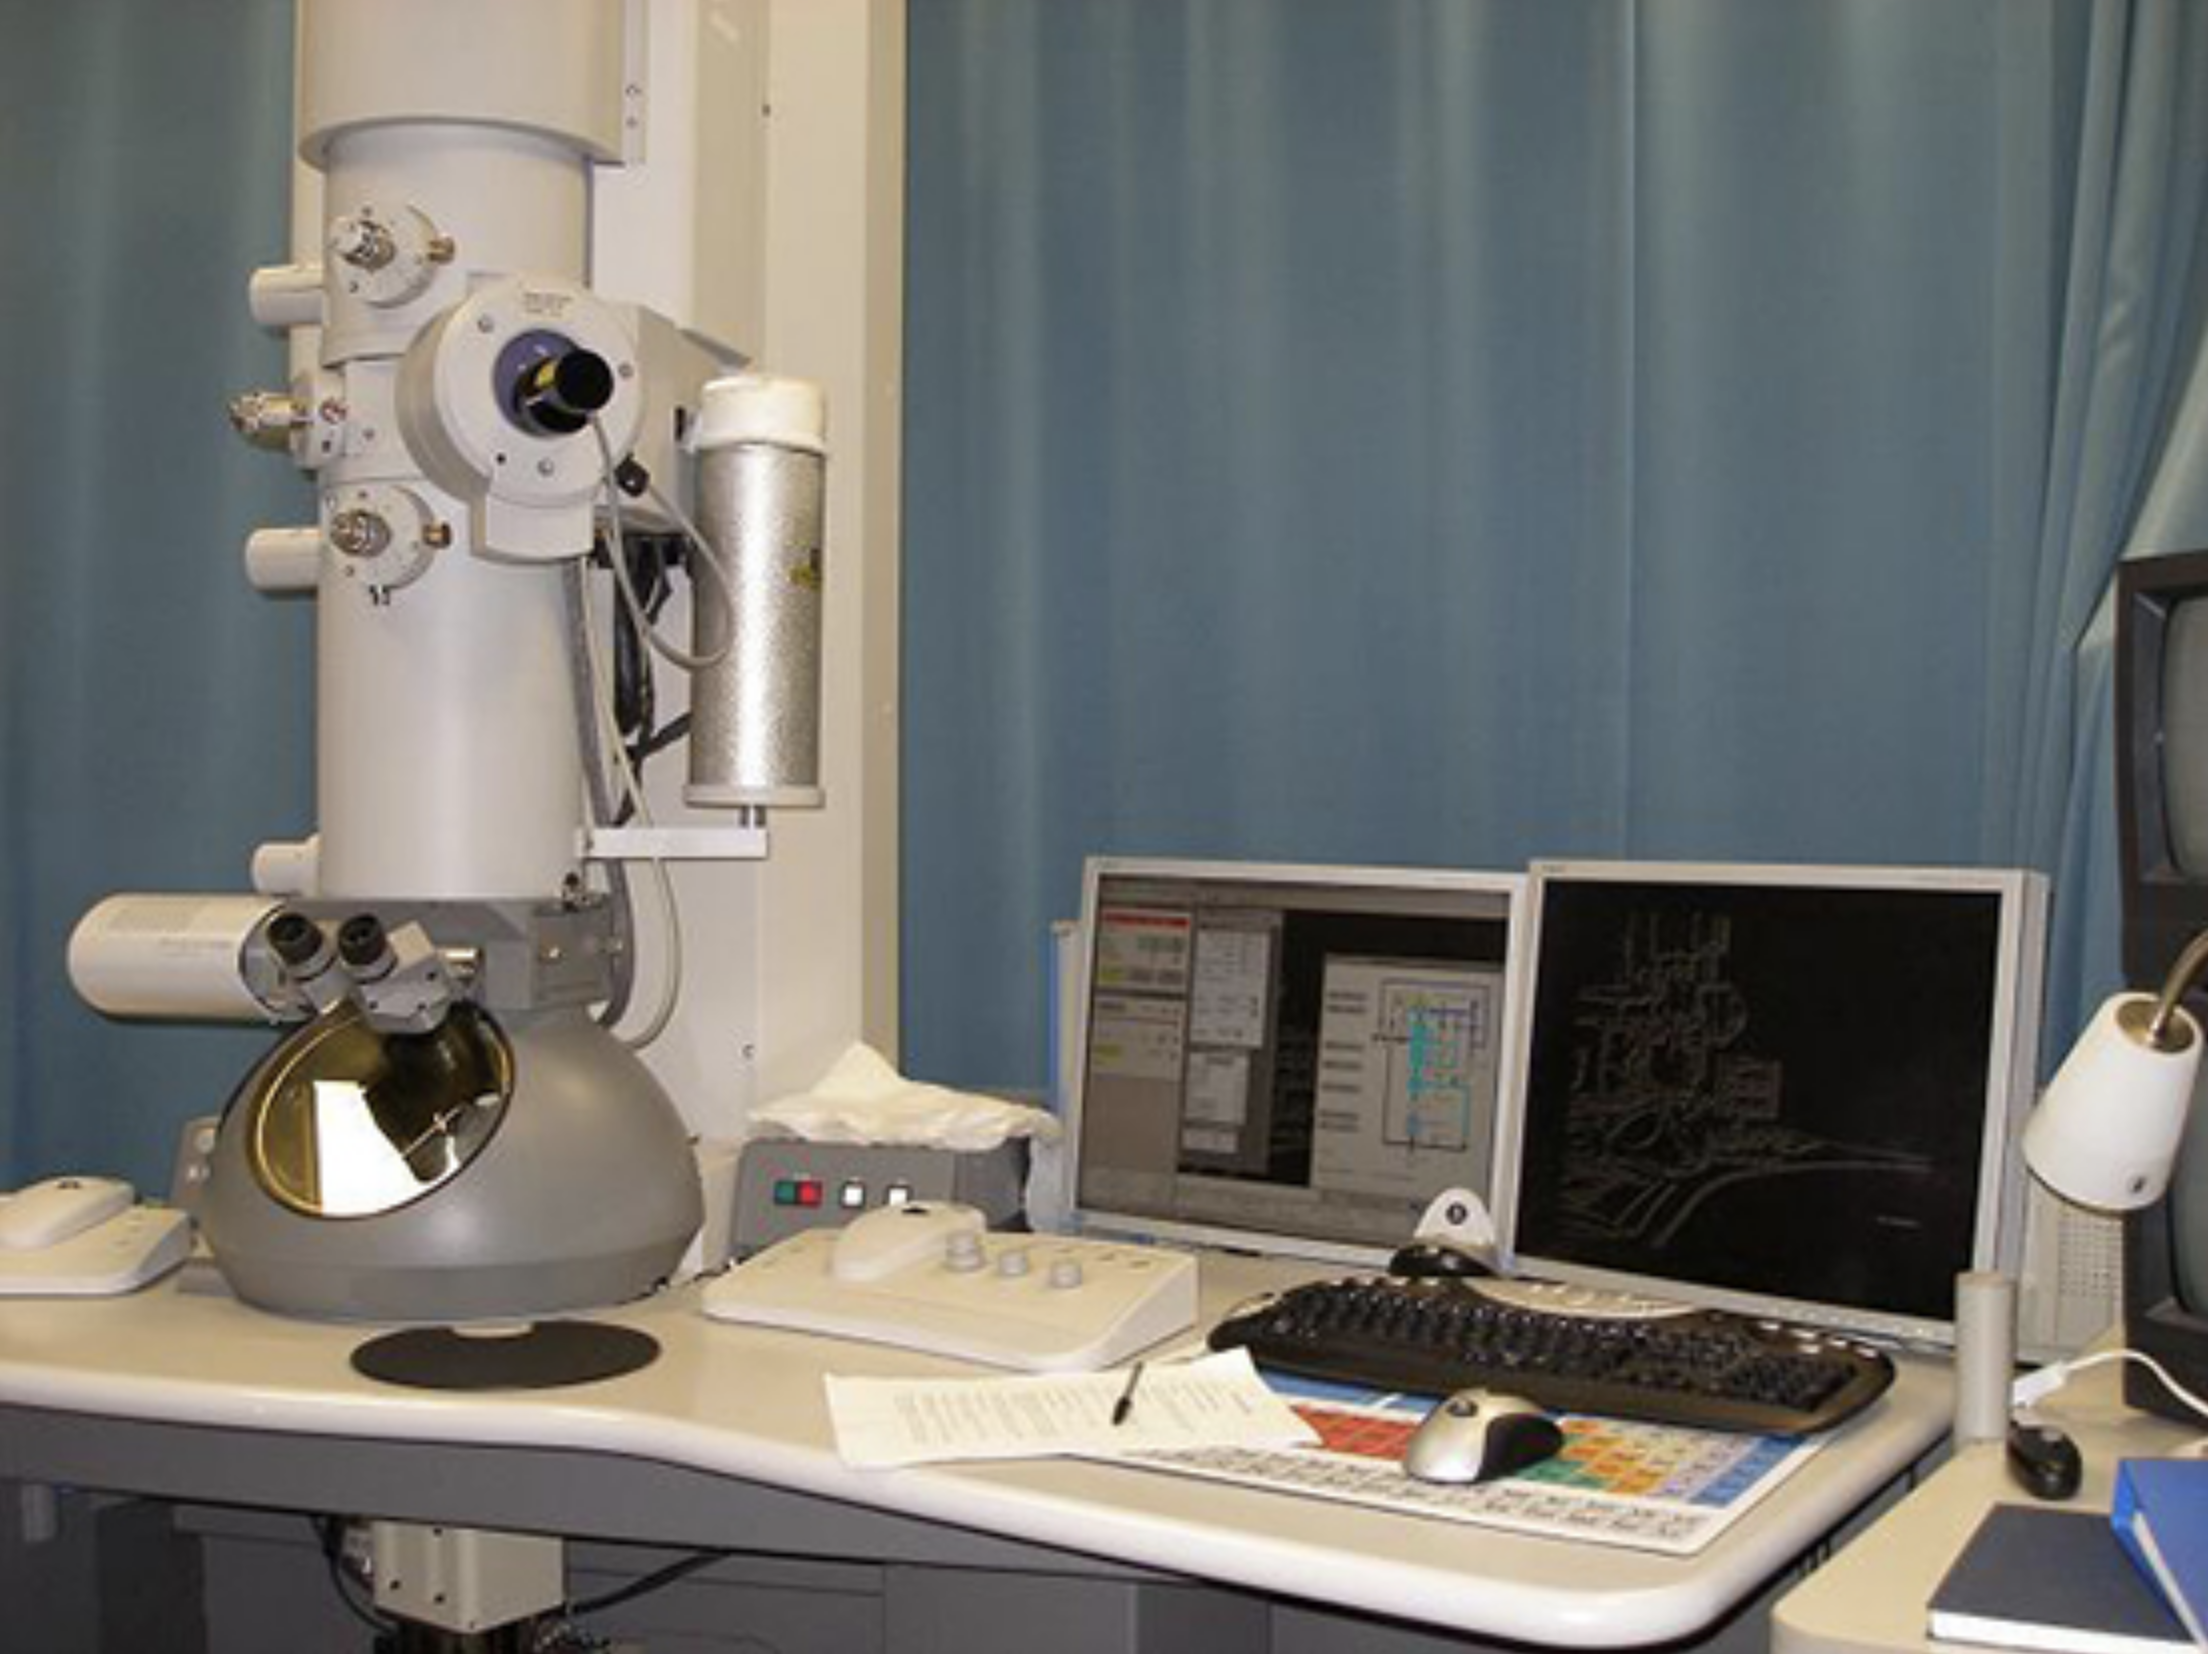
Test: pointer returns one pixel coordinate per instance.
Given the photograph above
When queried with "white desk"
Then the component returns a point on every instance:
(1871, 1598)
(725, 1441)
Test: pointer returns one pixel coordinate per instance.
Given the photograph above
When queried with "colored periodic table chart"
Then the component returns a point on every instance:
(1616, 1482)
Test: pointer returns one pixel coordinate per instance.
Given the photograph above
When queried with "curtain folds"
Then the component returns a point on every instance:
(2127, 466)
(1459, 431)
(158, 713)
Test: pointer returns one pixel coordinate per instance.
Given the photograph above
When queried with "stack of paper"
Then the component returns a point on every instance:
(1218, 1401)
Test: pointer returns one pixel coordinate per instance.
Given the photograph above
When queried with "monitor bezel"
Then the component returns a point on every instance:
(2164, 907)
(1106, 1221)
(1998, 1223)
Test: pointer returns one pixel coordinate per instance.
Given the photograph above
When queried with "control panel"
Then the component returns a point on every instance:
(928, 1276)
(786, 1186)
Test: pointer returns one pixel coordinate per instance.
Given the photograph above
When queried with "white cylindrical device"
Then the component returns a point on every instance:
(448, 765)
(755, 713)
(283, 561)
(284, 296)
(1985, 1355)
(169, 956)
(288, 867)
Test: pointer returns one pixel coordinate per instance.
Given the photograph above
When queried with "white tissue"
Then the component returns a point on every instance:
(862, 1099)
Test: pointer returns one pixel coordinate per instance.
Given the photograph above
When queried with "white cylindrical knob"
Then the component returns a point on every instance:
(962, 1253)
(1065, 1274)
(287, 868)
(284, 296)
(283, 561)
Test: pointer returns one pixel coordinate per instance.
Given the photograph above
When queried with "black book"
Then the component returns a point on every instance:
(2058, 1580)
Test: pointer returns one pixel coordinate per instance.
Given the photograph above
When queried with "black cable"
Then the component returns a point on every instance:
(331, 1534)
(676, 729)
(648, 560)
(643, 1585)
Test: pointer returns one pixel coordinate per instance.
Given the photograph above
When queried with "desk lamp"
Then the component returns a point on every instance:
(2106, 1133)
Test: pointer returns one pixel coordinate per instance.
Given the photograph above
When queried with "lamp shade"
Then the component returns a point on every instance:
(2106, 1132)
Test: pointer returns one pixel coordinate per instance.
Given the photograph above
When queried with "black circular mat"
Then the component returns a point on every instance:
(540, 1355)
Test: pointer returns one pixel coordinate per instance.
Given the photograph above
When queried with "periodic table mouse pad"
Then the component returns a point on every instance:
(1645, 1486)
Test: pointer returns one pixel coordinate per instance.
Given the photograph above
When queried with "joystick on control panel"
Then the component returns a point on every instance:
(928, 1277)
(891, 1238)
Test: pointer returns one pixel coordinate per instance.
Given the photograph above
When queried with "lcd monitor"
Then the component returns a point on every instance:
(1287, 1058)
(1778, 1090)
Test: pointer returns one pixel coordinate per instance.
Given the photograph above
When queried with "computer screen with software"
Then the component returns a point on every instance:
(1288, 1058)
(1784, 1090)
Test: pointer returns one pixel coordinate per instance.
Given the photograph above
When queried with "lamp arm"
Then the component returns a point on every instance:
(2183, 975)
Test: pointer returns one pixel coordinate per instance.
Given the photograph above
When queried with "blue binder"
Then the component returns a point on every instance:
(2161, 1515)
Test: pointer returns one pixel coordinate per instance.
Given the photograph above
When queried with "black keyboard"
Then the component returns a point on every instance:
(1697, 1367)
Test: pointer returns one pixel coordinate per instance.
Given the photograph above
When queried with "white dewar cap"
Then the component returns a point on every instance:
(761, 407)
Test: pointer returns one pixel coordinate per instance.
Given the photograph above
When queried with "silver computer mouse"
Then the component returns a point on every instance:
(1477, 1435)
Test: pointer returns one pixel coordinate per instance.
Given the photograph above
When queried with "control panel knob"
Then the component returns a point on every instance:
(1065, 1274)
(962, 1253)
(1013, 1264)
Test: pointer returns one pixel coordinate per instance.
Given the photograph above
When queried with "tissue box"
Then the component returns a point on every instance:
(785, 1185)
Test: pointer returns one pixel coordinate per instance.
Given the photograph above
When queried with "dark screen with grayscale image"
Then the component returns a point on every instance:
(1763, 1089)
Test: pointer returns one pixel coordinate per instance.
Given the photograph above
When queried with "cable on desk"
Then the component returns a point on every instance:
(2036, 1387)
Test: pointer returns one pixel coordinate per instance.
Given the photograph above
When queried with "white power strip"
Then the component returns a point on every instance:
(1039, 1303)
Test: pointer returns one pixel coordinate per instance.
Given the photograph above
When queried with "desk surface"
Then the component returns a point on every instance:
(161, 1392)
(1871, 1598)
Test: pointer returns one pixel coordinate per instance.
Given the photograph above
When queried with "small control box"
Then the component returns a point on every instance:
(786, 1186)
(927, 1276)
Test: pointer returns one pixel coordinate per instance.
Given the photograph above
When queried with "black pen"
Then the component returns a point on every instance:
(1126, 1402)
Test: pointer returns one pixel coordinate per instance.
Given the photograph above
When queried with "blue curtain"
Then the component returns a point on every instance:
(158, 713)
(1456, 431)
(2128, 459)
(1441, 431)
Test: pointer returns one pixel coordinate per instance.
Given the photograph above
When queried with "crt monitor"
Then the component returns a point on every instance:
(1776, 1090)
(1288, 1058)
(2162, 828)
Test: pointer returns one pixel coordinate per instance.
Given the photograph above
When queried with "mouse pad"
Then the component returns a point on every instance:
(1642, 1486)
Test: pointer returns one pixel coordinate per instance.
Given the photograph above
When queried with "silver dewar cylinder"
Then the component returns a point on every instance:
(761, 444)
